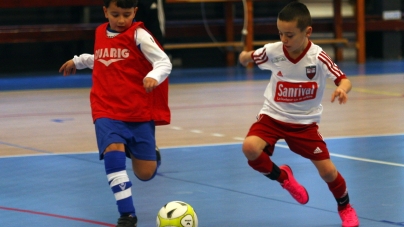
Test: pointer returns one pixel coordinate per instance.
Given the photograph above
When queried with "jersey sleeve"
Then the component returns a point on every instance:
(154, 54)
(331, 69)
(261, 56)
(84, 61)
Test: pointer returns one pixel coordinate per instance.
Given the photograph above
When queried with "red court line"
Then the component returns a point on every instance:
(57, 216)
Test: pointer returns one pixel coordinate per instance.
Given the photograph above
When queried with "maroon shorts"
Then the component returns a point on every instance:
(302, 139)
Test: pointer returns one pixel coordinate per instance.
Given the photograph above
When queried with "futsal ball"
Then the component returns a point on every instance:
(177, 214)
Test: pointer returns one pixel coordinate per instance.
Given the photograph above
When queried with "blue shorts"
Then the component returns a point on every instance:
(138, 137)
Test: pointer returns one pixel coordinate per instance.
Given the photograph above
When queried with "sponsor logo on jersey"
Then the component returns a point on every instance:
(278, 59)
(311, 71)
(295, 92)
(108, 56)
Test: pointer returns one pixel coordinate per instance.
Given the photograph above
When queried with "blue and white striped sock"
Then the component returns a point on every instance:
(115, 167)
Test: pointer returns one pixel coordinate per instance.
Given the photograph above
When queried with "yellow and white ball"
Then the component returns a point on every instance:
(177, 214)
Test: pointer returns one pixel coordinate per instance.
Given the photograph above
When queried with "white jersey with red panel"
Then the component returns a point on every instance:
(296, 87)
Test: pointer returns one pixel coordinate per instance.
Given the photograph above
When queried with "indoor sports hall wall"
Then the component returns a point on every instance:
(200, 19)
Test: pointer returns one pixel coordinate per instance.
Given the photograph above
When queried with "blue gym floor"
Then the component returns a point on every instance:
(68, 190)
(71, 189)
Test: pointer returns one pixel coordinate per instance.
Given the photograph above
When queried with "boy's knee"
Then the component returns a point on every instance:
(329, 174)
(327, 170)
(144, 170)
(251, 150)
(248, 147)
(145, 175)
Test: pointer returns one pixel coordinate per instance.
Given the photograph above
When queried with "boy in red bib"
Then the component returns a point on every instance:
(129, 97)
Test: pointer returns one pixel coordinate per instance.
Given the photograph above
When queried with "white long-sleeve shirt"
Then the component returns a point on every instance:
(158, 58)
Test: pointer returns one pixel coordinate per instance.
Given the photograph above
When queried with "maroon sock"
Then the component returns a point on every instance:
(264, 165)
(339, 190)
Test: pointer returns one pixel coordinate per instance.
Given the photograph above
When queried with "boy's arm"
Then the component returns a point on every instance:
(245, 57)
(342, 91)
(78, 62)
(84, 61)
(154, 54)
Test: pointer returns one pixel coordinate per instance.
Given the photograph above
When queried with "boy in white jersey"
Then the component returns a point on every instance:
(292, 107)
(129, 97)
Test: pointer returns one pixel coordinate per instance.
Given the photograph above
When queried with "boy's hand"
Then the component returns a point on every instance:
(341, 94)
(68, 68)
(342, 91)
(149, 84)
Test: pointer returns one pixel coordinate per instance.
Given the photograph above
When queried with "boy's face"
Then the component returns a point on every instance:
(294, 40)
(119, 19)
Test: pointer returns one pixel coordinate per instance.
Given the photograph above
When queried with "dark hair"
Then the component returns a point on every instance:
(296, 11)
(125, 4)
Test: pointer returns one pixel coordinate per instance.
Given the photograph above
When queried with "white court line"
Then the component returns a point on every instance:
(196, 131)
(367, 160)
(236, 143)
(217, 135)
(355, 158)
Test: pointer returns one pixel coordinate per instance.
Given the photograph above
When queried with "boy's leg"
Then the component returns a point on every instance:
(144, 153)
(258, 160)
(111, 144)
(115, 167)
(337, 185)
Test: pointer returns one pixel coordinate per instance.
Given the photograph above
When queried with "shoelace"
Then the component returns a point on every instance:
(348, 215)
